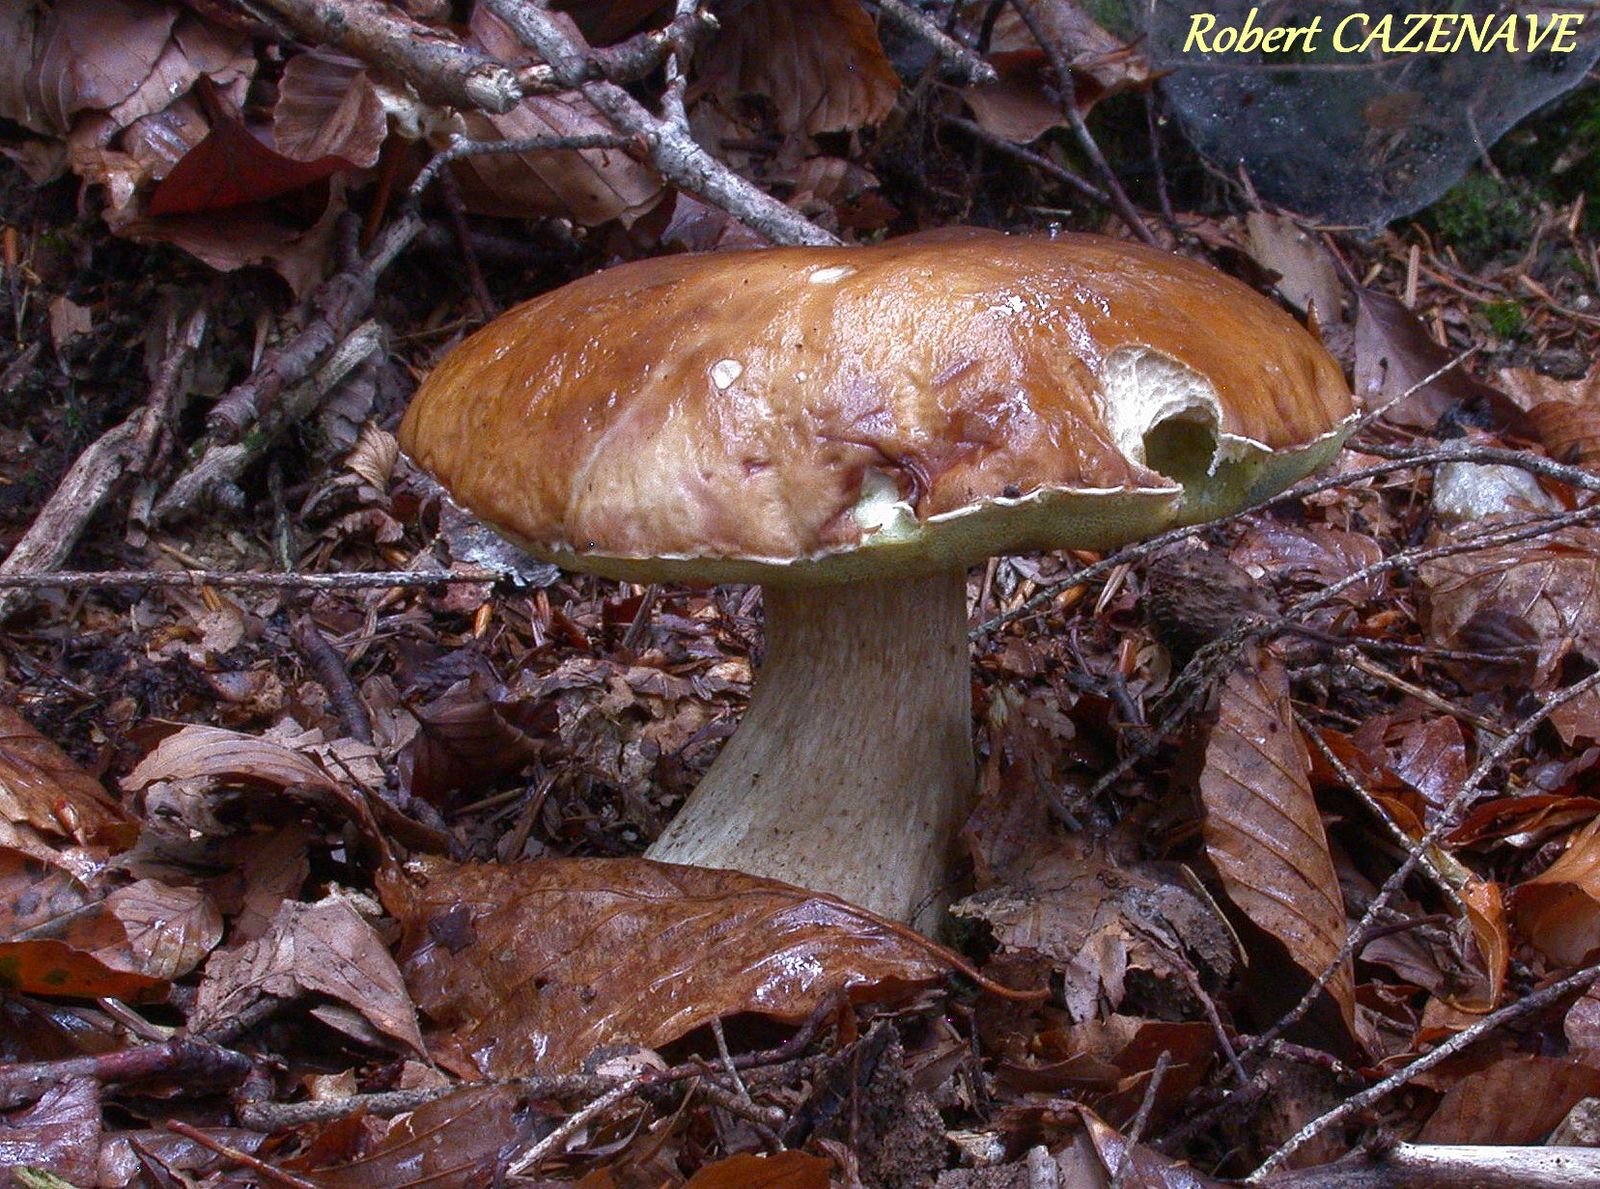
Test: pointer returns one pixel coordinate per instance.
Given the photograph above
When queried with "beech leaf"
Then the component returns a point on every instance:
(325, 948)
(1262, 829)
(531, 967)
(42, 786)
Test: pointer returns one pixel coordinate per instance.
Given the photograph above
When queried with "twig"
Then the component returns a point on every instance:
(1452, 1166)
(1027, 156)
(126, 449)
(335, 309)
(672, 150)
(1575, 982)
(328, 666)
(195, 1062)
(255, 1164)
(956, 61)
(1443, 824)
(1401, 458)
(530, 1159)
(235, 579)
(441, 68)
(1141, 1119)
(1365, 795)
(1120, 202)
(459, 147)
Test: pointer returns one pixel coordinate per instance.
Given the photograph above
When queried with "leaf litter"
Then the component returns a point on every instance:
(433, 956)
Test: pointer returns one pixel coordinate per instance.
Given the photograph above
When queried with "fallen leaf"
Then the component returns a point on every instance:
(325, 948)
(42, 786)
(328, 107)
(591, 186)
(454, 1142)
(1517, 1100)
(819, 67)
(1018, 106)
(1306, 276)
(1566, 413)
(1395, 354)
(168, 931)
(78, 55)
(233, 167)
(1262, 828)
(59, 1134)
(1551, 584)
(531, 967)
(197, 751)
(1558, 910)
(779, 1170)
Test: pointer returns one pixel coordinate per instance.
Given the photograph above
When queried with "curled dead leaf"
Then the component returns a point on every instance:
(42, 786)
(1558, 910)
(327, 948)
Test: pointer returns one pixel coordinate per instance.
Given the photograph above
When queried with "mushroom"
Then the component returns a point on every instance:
(852, 428)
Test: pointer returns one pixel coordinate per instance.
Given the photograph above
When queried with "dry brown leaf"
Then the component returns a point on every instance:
(168, 931)
(1486, 917)
(325, 948)
(1316, 553)
(1530, 388)
(452, 1143)
(1262, 828)
(56, 939)
(780, 1170)
(1102, 64)
(42, 786)
(1551, 584)
(1096, 923)
(77, 55)
(592, 186)
(328, 107)
(531, 967)
(211, 753)
(1517, 1100)
(1306, 275)
(1019, 106)
(817, 67)
(1566, 413)
(1558, 910)
(1395, 353)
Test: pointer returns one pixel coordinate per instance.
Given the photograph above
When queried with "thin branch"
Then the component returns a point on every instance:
(671, 149)
(459, 147)
(1043, 164)
(1120, 202)
(1572, 984)
(1446, 820)
(237, 580)
(441, 68)
(1401, 458)
(126, 449)
(334, 310)
(957, 62)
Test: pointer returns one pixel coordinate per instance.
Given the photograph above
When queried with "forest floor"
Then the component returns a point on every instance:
(1292, 821)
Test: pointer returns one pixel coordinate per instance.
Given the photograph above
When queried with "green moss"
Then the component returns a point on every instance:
(1481, 217)
(1505, 318)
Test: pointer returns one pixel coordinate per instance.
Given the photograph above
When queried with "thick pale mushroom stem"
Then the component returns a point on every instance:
(852, 768)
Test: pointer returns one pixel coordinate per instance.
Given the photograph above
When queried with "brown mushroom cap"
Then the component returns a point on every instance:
(801, 415)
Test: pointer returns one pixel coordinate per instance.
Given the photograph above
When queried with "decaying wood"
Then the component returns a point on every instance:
(335, 310)
(1452, 1166)
(440, 67)
(124, 449)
